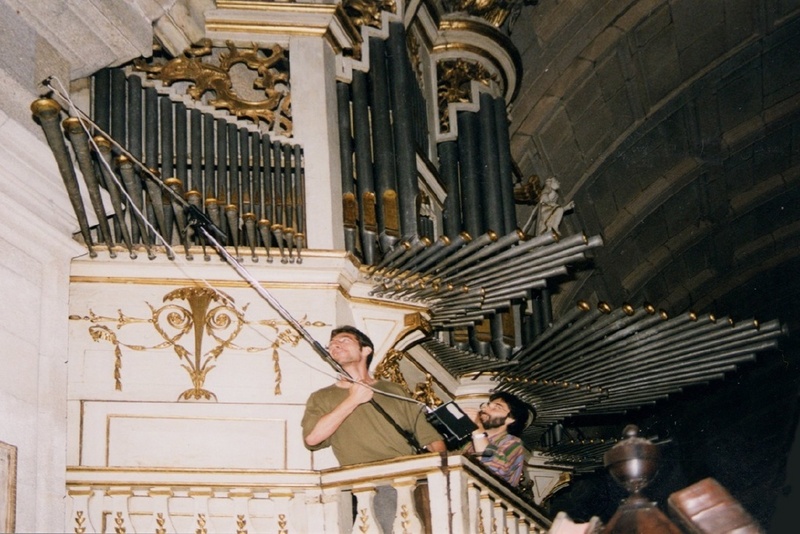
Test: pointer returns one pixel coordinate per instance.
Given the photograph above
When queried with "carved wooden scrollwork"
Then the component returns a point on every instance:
(271, 76)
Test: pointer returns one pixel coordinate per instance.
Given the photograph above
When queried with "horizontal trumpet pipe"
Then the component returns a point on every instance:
(699, 337)
(468, 249)
(490, 249)
(544, 255)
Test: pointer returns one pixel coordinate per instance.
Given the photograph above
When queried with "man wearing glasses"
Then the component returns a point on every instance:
(496, 442)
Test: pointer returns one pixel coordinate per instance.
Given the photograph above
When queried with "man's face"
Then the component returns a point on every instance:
(344, 348)
(494, 414)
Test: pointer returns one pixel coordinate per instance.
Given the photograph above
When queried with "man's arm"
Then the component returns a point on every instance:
(330, 422)
(436, 446)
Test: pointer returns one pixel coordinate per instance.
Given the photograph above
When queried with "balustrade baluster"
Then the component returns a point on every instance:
(162, 522)
(366, 520)
(407, 519)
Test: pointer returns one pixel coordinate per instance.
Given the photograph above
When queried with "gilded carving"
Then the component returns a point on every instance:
(80, 519)
(454, 84)
(414, 57)
(406, 521)
(425, 393)
(272, 77)
(389, 369)
(363, 519)
(367, 12)
(119, 523)
(241, 524)
(199, 331)
(495, 12)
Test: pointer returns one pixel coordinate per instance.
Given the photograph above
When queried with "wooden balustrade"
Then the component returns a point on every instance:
(433, 494)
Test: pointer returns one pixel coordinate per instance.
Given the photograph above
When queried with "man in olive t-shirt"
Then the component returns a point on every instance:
(341, 415)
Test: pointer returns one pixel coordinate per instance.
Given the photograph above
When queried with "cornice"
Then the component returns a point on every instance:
(246, 21)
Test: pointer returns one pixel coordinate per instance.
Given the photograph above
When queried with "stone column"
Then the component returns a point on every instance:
(314, 118)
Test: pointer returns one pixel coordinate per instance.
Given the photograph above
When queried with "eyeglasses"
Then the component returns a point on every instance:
(494, 406)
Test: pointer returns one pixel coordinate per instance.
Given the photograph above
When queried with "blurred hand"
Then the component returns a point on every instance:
(474, 415)
(360, 393)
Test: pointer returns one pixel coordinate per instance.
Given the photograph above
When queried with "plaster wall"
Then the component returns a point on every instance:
(34, 271)
(148, 388)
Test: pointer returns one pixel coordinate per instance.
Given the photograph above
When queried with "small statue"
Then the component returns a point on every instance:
(548, 213)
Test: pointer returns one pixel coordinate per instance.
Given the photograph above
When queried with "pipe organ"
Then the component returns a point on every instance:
(250, 186)
(426, 174)
(413, 147)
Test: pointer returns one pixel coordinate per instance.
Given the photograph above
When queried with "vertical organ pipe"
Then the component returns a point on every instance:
(118, 93)
(221, 197)
(346, 161)
(288, 200)
(300, 202)
(277, 199)
(506, 178)
(181, 144)
(405, 152)
(385, 178)
(233, 188)
(489, 174)
(101, 100)
(195, 182)
(365, 185)
(448, 170)
(468, 159)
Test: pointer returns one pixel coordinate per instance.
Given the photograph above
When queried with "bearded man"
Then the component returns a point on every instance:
(496, 443)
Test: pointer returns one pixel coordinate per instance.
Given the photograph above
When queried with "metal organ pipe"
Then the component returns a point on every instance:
(384, 154)
(80, 144)
(471, 208)
(195, 182)
(104, 148)
(489, 175)
(118, 107)
(365, 185)
(403, 129)
(213, 163)
(300, 193)
(288, 202)
(448, 170)
(133, 186)
(346, 160)
(48, 112)
(101, 99)
(506, 178)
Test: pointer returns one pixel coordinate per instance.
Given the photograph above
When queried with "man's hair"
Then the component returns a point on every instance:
(520, 411)
(361, 337)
